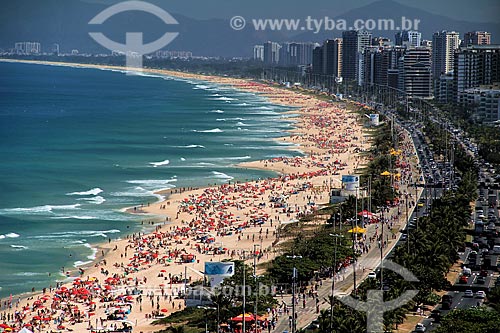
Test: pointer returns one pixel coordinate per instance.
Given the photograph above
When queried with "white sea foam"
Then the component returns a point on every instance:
(19, 247)
(76, 217)
(157, 164)
(214, 130)
(220, 175)
(201, 86)
(94, 191)
(217, 111)
(94, 251)
(139, 192)
(154, 183)
(38, 209)
(183, 159)
(81, 263)
(69, 234)
(239, 123)
(95, 200)
(191, 146)
(242, 104)
(12, 235)
(220, 119)
(29, 274)
(225, 98)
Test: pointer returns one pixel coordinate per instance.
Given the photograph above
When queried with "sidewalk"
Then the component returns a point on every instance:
(369, 261)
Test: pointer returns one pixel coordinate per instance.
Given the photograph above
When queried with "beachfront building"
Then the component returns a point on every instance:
(27, 48)
(354, 42)
(445, 88)
(327, 58)
(476, 65)
(415, 76)
(483, 102)
(296, 54)
(476, 38)
(408, 38)
(258, 52)
(271, 53)
(444, 45)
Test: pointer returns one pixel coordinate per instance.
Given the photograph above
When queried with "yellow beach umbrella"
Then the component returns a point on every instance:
(357, 230)
(385, 173)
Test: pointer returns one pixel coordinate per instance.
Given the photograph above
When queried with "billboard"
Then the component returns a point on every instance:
(374, 119)
(217, 271)
(350, 182)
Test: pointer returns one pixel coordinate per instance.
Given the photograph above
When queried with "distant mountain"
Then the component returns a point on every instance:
(388, 9)
(66, 23)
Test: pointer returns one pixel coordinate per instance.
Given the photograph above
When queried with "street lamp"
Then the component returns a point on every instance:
(294, 278)
(206, 317)
(255, 282)
(336, 236)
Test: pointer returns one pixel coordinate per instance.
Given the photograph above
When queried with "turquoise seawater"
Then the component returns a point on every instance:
(78, 145)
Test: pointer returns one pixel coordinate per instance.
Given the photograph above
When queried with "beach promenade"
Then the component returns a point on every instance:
(344, 284)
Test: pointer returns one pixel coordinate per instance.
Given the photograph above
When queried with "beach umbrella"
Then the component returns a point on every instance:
(357, 230)
(241, 317)
(164, 310)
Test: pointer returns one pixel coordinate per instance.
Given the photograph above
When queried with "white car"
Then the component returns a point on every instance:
(420, 328)
(469, 293)
(372, 275)
(480, 294)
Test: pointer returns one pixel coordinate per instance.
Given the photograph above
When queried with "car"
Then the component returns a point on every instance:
(419, 328)
(463, 279)
(480, 294)
(436, 315)
(483, 273)
(468, 293)
(481, 280)
(372, 275)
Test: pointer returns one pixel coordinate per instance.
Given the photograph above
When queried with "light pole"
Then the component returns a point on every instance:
(336, 236)
(255, 282)
(294, 278)
(244, 299)
(206, 317)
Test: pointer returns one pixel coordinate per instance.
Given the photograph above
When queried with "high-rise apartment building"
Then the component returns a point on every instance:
(28, 47)
(476, 38)
(354, 41)
(476, 65)
(258, 52)
(271, 53)
(444, 45)
(415, 75)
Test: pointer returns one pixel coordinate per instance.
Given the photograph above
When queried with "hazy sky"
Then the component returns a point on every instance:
(466, 10)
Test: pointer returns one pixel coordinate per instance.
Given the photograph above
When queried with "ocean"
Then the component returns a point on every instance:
(78, 145)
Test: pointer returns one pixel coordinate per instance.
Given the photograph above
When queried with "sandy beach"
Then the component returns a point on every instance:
(141, 276)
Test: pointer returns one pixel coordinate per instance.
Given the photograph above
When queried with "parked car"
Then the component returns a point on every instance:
(372, 275)
(469, 293)
(419, 328)
(480, 294)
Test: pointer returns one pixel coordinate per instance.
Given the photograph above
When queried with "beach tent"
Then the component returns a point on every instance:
(25, 330)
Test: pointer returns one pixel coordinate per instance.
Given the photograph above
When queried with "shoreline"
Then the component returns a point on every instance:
(307, 106)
